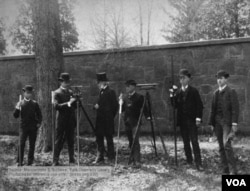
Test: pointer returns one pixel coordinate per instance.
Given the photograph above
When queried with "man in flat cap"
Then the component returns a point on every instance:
(31, 119)
(65, 105)
(224, 119)
(132, 106)
(189, 107)
(106, 109)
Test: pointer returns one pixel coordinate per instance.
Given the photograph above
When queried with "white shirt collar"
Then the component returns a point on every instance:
(222, 88)
(63, 88)
(184, 88)
(130, 94)
(26, 99)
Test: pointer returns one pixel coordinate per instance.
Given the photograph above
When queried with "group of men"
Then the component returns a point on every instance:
(186, 100)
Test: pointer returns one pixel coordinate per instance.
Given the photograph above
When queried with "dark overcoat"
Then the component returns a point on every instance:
(65, 115)
(105, 114)
(193, 102)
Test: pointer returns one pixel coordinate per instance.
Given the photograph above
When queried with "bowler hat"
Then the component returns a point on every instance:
(27, 88)
(222, 73)
(101, 77)
(184, 72)
(130, 82)
(64, 77)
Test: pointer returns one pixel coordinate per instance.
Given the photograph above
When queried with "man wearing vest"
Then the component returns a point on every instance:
(189, 107)
(65, 105)
(106, 109)
(31, 119)
(224, 119)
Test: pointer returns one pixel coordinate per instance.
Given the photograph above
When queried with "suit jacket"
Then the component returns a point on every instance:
(230, 106)
(65, 116)
(193, 103)
(108, 107)
(132, 109)
(30, 114)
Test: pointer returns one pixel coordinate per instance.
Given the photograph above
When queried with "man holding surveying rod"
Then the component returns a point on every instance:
(189, 107)
(31, 119)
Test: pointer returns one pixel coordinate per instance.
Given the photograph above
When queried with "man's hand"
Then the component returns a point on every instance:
(172, 90)
(212, 128)
(18, 105)
(96, 106)
(149, 118)
(72, 99)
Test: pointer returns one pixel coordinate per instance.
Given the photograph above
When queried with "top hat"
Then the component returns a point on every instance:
(101, 77)
(64, 77)
(184, 72)
(28, 88)
(130, 82)
(222, 73)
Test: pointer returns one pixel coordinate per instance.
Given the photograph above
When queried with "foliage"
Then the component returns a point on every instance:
(2, 40)
(208, 19)
(22, 31)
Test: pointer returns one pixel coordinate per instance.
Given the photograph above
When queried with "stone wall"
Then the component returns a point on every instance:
(145, 65)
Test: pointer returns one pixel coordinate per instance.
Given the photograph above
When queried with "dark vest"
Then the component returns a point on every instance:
(184, 106)
(219, 108)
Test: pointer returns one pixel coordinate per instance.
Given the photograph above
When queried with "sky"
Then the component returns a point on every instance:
(86, 11)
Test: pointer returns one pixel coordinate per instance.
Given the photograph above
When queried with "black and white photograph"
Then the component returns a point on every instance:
(124, 95)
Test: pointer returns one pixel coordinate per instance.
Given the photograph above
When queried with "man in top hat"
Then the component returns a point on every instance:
(31, 119)
(132, 106)
(106, 109)
(224, 119)
(65, 104)
(189, 107)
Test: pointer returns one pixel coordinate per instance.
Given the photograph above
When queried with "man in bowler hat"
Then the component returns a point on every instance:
(65, 105)
(224, 119)
(31, 119)
(132, 106)
(189, 107)
(106, 109)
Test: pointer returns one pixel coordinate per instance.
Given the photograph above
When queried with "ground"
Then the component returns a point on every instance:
(156, 173)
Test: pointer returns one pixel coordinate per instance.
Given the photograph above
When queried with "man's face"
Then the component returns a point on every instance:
(130, 89)
(184, 80)
(101, 85)
(27, 94)
(65, 84)
(221, 81)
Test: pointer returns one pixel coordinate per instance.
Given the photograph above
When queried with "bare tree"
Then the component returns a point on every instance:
(49, 60)
(108, 28)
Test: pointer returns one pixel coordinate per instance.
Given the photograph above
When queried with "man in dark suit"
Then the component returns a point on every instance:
(64, 103)
(106, 109)
(132, 106)
(189, 107)
(224, 119)
(31, 119)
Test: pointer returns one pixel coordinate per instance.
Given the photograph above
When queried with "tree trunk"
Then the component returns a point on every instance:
(49, 62)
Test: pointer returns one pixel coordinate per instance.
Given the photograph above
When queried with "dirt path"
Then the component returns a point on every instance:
(156, 173)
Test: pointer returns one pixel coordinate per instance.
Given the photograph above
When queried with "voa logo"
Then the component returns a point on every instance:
(236, 182)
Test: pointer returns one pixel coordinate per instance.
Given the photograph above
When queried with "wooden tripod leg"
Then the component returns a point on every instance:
(136, 131)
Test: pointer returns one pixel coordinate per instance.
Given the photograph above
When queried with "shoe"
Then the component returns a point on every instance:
(98, 160)
(30, 163)
(55, 164)
(199, 167)
(136, 164)
(18, 164)
(225, 171)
